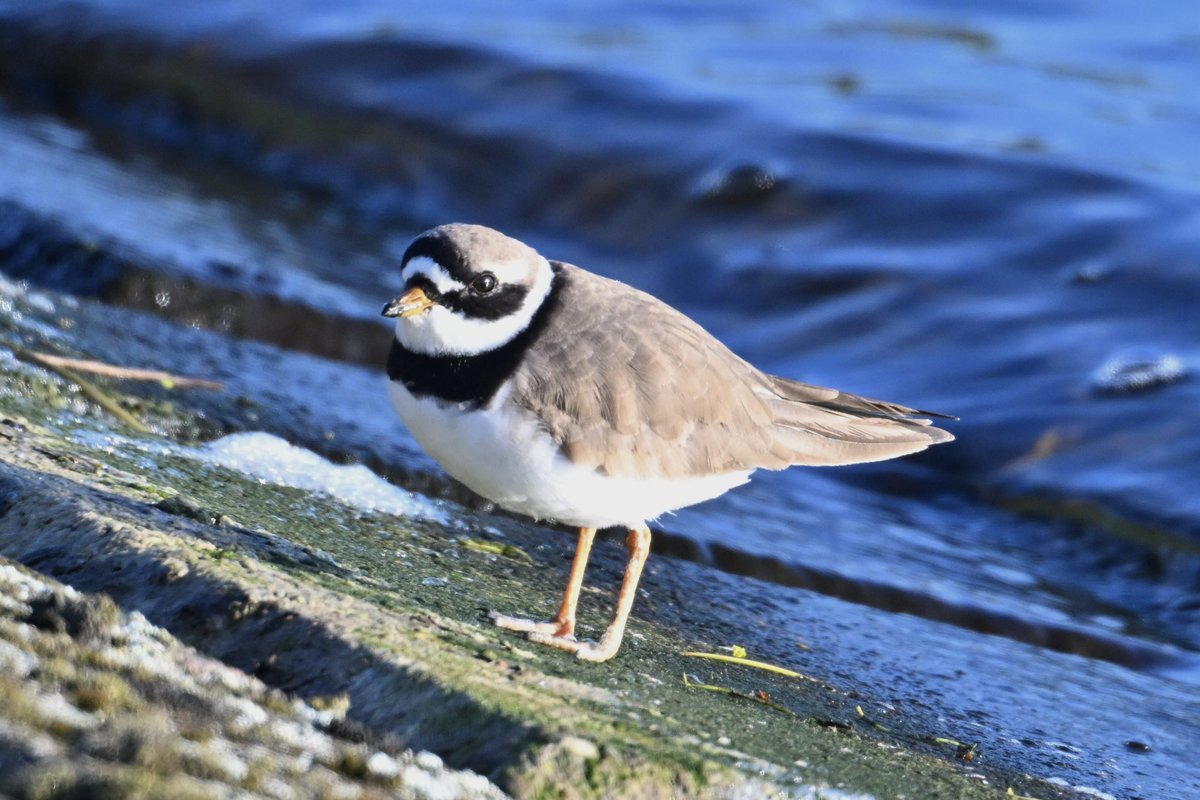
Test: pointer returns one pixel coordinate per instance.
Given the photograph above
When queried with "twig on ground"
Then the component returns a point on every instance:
(167, 379)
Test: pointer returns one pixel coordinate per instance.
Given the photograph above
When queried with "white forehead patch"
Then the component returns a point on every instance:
(435, 272)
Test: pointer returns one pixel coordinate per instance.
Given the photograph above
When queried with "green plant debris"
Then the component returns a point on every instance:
(758, 696)
(94, 392)
(876, 725)
(165, 379)
(1015, 796)
(964, 751)
(497, 549)
(747, 662)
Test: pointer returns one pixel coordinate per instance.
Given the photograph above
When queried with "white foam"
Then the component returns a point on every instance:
(274, 460)
(16, 299)
(271, 459)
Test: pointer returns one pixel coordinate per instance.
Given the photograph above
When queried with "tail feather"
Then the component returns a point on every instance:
(816, 426)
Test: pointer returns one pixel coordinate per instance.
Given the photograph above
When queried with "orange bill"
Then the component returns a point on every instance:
(409, 304)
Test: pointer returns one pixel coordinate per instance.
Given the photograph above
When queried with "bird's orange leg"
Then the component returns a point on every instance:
(638, 544)
(563, 625)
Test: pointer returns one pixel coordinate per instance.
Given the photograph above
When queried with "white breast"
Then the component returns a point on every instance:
(501, 453)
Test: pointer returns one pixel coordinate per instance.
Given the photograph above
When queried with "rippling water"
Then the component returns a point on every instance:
(990, 212)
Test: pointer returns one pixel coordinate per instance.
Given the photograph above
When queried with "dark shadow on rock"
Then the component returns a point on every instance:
(60, 529)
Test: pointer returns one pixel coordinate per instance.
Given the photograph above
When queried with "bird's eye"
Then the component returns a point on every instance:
(484, 283)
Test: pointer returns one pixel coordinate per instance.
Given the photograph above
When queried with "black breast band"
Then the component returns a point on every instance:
(473, 380)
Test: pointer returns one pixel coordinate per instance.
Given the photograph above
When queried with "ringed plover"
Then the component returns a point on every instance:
(565, 396)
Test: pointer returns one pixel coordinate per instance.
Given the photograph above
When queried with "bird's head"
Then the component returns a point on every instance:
(467, 290)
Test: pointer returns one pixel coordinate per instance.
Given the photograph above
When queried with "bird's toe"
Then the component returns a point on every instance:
(568, 642)
(551, 628)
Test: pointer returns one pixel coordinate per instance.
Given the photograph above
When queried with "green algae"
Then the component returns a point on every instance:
(1094, 514)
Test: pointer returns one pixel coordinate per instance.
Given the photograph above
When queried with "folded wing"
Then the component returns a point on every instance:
(652, 394)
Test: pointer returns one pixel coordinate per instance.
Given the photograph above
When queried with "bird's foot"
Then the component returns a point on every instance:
(554, 628)
(560, 634)
(602, 650)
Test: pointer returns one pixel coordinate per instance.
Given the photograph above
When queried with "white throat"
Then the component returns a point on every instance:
(440, 331)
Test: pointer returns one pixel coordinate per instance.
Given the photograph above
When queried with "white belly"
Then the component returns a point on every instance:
(501, 453)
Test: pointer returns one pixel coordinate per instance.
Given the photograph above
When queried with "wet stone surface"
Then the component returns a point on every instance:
(328, 600)
(290, 586)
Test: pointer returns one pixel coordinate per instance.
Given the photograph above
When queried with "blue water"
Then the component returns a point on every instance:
(1104, 85)
(990, 210)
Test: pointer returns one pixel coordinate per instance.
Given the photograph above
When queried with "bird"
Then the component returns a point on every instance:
(565, 396)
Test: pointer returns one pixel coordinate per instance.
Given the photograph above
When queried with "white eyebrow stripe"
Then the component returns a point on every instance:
(512, 271)
(435, 272)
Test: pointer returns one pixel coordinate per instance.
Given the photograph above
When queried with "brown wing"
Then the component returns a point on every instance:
(629, 386)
